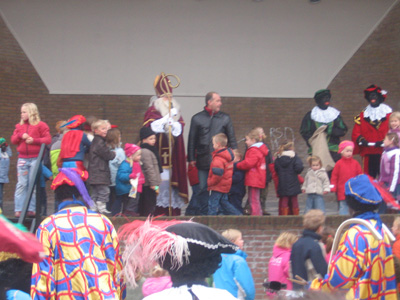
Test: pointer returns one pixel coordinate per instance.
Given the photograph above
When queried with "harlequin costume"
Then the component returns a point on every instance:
(157, 117)
(82, 254)
(370, 128)
(362, 264)
(189, 251)
(324, 115)
(74, 144)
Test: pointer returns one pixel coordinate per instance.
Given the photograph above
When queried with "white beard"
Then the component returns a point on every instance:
(162, 105)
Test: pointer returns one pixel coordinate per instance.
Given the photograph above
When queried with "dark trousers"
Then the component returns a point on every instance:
(147, 202)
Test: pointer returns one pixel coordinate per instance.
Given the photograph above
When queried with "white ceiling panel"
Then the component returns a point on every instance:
(272, 48)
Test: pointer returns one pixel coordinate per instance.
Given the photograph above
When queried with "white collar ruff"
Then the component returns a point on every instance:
(324, 115)
(377, 113)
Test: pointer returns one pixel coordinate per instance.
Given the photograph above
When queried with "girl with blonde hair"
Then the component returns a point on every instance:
(279, 264)
(255, 168)
(29, 134)
(33, 114)
(394, 123)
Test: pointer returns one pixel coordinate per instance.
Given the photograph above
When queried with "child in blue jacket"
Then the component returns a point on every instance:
(5, 154)
(234, 274)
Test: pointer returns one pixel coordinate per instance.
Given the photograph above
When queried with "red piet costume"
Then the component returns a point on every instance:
(370, 128)
(74, 144)
(163, 89)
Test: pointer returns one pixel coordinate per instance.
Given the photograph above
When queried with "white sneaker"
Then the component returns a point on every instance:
(101, 208)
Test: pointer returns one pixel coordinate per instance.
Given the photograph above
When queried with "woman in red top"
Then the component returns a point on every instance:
(28, 135)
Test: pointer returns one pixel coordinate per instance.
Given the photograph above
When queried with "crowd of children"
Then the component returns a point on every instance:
(121, 180)
(122, 184)
(256, 168)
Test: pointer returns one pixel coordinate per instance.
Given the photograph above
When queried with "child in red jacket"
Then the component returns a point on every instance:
(220, 178)
(345, 168)
(256, 171)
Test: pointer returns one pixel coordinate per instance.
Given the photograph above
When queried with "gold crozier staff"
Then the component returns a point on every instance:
(165, 82)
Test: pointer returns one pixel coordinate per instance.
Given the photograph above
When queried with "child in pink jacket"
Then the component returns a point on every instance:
(279, 264)
(159, 281)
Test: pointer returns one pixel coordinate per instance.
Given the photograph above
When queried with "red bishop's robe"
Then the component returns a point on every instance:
(178, 158)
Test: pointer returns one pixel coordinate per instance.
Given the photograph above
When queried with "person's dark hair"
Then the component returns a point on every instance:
(112, 137)
(66, 191)
(195, 272)
(209, 96)
(360, 207)
(15, 274)
(328, 234)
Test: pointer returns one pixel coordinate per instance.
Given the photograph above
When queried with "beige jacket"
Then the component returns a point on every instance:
(316, 182)
(150, 168)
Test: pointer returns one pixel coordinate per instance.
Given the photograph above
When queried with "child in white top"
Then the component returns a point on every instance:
(316, 184)
(390, 167)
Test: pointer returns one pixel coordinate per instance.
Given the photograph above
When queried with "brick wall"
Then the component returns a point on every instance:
(377, 61)
(259, 234)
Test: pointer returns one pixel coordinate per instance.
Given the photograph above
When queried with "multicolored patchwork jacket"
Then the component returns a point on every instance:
(82, 257)
(362, 265)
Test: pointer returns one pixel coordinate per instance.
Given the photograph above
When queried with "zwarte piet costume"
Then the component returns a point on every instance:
(323, 115)
(370, 128)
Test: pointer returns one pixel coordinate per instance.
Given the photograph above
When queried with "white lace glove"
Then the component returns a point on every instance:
(158, 125)
(161, 125)
(174, 112)
(176, 128)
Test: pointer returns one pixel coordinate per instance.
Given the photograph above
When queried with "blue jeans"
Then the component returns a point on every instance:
(203, 194)
(383, 206)
(219, 203)
(343, 208)
(25, 168)
(314, 201)
(193, 208)
(1, 195)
